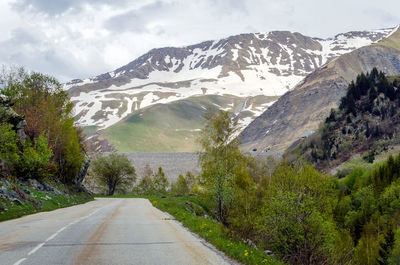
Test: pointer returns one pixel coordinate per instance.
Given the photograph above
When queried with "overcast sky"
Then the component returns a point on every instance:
(82, 38)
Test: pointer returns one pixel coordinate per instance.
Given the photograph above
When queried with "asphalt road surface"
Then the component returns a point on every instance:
(104, 231)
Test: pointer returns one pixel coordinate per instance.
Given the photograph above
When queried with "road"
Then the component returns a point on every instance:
(104, 231)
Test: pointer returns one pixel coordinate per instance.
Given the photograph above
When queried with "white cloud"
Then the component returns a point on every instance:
(81, 38)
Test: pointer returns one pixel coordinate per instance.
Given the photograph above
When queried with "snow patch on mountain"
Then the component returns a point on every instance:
(245, 65)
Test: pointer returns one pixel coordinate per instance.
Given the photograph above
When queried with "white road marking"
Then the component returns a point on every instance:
(56, 233)
(35, 249)
(19, 262)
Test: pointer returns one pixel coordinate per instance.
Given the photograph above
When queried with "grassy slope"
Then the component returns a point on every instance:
(392, 42)
(212, 231)
(39, 201)
(172, 127)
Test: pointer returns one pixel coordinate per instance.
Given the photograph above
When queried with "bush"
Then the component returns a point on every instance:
(183, 185)
(292, 228)
(9, 152)
(294, 222)
(35, 159)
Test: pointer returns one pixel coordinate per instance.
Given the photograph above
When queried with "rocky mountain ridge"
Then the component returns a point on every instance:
(301, 110)
(245, 66)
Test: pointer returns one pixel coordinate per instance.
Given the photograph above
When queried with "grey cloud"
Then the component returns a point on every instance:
(166, 23)
(136, 20)
(31, 51)
(53, 7)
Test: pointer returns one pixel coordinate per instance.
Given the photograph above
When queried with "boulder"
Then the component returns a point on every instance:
(36, 184)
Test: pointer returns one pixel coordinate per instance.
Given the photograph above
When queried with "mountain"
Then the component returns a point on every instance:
(243, 68)
(299, 112)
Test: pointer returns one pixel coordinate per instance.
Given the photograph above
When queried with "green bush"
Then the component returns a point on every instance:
(9, 152)
(35, 159)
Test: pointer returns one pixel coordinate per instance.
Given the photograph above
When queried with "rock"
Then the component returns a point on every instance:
(6, 182)
(15, 200)
(20, 128)
(190, 211)
(269, 253)
(36, 184)
(8, 193)
(251, 243)
(26, 191)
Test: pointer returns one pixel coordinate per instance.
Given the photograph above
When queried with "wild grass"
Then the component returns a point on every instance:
(39, 201)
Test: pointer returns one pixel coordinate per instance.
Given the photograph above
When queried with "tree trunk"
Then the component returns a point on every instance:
(111, 189)
(220, 214)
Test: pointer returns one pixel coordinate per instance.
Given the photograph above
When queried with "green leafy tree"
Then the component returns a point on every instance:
(114, 171)
(394, 258)
(9, 152)
(222, 163)
(369, 246)
(184, 184)
(160, 182)
(47, 109)
(295, 218)
(35, 159)
(181, 186)
(145, 186)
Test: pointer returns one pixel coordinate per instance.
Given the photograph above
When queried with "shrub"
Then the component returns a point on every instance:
(35, 159)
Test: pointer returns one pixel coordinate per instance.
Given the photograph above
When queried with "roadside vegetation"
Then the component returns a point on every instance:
(38, 142)
(265, 211)
(193, 213)
(23, 198)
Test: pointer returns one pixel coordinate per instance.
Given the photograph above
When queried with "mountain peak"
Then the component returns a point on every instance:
(244, 65)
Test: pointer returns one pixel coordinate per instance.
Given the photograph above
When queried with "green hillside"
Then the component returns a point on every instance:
(392, 42)
(172, 127)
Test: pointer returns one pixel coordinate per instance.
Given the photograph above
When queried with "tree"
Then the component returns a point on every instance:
(114, 171)
(47, 109)
(294, 221)
(145, 186)
(223, 165)
(35, 160)
(184, 184)
(369, 246)
(160, 182)
(293, 229)
(9, 152)
(394, 257)
(181, 186)
(147, 171)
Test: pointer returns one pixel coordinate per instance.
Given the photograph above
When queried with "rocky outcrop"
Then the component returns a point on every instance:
(8, 115)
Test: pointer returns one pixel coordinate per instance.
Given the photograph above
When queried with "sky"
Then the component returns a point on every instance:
(71, 39)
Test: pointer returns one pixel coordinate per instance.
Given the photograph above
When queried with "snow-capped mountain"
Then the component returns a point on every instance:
(245, 66)
(301, 111)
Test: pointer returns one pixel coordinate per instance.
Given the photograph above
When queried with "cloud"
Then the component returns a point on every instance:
(138, 20)
(81, 38)
(54, 7)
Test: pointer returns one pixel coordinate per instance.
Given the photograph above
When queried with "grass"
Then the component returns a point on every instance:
(172, 127)
(190, 211)
(39, 201)
(392, 42)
